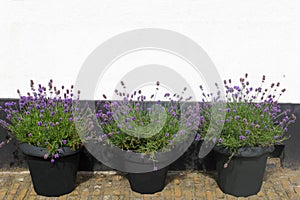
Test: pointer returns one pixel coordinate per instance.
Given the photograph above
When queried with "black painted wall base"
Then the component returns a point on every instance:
(11, 157)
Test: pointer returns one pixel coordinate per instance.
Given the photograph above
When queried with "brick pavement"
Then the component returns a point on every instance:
(278, 183)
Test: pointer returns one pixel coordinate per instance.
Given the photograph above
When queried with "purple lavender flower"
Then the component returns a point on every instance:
(259, 89)
(242, 137)
(173, 113)
(40, 123)
(167, 95)
(70, 119)
(56, 155)
(52, 160)
(64, 142)
(262, 116)
(220, 140)
(198, 137)
(189, 98)
(247, 132)
(167, 135)
(266, 109)
(30, 135)
(40, 90)
(236, 117)
(237, 88)
(154, 168)
(188, 124)
(181, 132)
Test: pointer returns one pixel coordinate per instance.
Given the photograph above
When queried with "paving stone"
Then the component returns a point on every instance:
(168, 194)
(10, 197)
(31, 198)
(177, 191)
(64, 197)
(209, 195)
(219, 193)
(297, 190)
(279, 183)
(3, 191)
(22, 193)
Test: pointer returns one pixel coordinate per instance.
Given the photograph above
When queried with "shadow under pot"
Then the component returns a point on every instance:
(244, 174)
(278, 151)
(51, 179)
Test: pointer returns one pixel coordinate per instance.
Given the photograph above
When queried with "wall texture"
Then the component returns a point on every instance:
(43, 40)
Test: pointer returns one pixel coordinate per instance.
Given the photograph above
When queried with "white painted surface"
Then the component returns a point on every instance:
(40, 40)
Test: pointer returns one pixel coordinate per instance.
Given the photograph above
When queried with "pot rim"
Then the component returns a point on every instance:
(245, 151)
(31, 150)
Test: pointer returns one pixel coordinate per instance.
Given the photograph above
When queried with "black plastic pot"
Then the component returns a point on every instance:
(244, 174)
(149, 182)
(51, 179)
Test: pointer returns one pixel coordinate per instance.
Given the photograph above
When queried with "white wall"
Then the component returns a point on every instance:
(40, 40)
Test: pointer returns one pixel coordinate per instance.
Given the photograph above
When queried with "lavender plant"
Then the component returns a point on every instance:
(45, 118)
(253, 116)
(133, 125)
